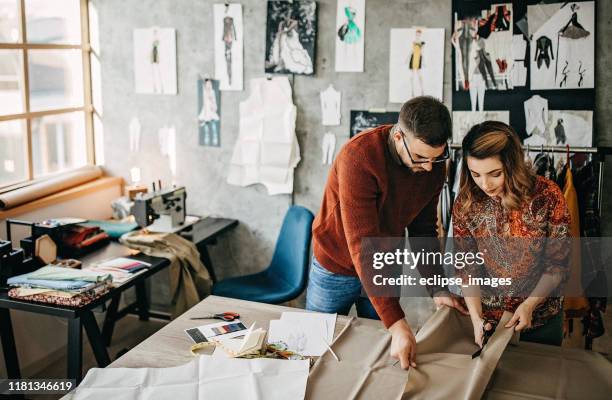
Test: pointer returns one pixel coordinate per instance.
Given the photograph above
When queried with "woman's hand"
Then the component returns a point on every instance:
(478, 322)
(522, 316)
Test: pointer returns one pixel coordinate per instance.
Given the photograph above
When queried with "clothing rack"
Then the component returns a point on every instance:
(600, 151)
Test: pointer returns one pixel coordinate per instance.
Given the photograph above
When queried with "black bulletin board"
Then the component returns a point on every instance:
(513, 99)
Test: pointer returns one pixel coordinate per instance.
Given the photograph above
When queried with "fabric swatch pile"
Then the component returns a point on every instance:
(59, 285)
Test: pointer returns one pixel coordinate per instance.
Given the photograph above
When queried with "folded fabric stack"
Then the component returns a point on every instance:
(62, 286)
(121, 269)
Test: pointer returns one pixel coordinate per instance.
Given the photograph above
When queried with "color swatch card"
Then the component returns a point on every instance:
(217, 331)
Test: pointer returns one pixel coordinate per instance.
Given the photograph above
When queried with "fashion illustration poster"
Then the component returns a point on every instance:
(570, 127)
(209, 111)
(228, 46)
(155, 60)
(482, 45)
(350, 35)
(563, 47)
(291, 30)
(463, 121)
(362, 120)
(416, 63)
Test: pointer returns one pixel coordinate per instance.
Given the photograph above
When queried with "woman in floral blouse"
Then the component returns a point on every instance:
(520, 223)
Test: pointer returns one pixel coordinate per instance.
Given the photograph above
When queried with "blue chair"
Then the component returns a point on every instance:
(286, 276)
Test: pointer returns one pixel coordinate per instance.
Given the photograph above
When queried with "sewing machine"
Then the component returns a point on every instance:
(162, 210)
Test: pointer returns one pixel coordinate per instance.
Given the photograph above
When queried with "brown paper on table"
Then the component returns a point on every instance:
(365, 370)
(49, 186)
(539, 371)
(445, 368)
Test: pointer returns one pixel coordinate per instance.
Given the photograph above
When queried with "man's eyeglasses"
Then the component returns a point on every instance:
(445, 156)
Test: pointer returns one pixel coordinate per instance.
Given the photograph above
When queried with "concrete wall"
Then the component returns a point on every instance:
(204, 170)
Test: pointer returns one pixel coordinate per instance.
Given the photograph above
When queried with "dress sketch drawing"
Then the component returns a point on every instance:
(287, 51)
(209, 116)
(229, 36)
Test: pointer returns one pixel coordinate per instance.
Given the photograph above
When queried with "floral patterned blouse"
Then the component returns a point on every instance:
(519, 244)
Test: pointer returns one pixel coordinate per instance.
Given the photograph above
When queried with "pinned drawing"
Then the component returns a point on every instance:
(350, 31)
(563, 54)
(209, 105)
(463, 121)
(416, 65)
(155, 61)
(564, 127)
(482, 43)
(290, 37)
(228, 46)
(362, 120)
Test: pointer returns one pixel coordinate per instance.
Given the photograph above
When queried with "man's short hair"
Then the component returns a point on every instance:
(427, 119)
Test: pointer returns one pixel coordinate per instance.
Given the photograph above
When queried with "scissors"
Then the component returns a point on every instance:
(225, 316)
(486, 335)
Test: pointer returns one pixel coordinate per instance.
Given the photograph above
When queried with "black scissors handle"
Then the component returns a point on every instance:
(486, 335)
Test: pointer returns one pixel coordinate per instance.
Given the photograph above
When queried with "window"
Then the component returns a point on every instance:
(46, 111)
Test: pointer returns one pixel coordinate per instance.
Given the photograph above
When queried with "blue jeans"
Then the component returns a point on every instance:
(334, 293)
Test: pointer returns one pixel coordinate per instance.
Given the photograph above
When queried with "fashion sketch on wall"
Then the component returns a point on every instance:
(155, 60)
(350, 35)
(228, 45)
(570, 127)
(563, 47)
(482, 45)
(463, 121)
(416, 63)
(209, 111)
(362, 120)
(291, 31)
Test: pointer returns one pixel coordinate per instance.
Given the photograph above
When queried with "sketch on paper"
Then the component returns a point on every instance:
(209, 111)
(416, 63)
(570, 127)
(155, 60)
(362, 120)
(563, 49)
(228, 46)
(463, 121)
(291, 30)
(350, 31)
(482, 44)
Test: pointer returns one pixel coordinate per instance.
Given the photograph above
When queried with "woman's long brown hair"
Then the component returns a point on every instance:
(489, 139)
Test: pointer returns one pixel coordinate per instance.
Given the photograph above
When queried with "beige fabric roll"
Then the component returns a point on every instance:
(44, 188)
(445, 368)
(365, 370)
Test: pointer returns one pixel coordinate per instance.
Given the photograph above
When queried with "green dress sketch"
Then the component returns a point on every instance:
(349, 32)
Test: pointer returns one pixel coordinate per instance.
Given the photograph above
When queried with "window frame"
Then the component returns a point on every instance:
(27, 116)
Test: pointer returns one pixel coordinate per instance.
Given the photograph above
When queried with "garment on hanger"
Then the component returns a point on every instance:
(536, 114)
(328, 147)
(267, 150)
(544, 165)
(330, 106)
(574, 305)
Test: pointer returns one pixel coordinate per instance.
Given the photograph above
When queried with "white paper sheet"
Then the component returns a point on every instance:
(204, 378)
(305, 333)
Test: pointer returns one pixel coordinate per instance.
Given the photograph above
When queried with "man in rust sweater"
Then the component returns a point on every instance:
(382, 181)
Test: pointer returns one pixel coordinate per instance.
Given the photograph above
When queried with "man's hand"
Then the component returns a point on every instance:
(403, 344)
(447, 299)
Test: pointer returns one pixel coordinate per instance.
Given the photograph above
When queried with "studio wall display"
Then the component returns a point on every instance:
(563, 48)
(416, 63)
(350, 35)
(209, 111)
(291, 31)
(464, 120)
(155, 60)
(363, 119)
(228, 46)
